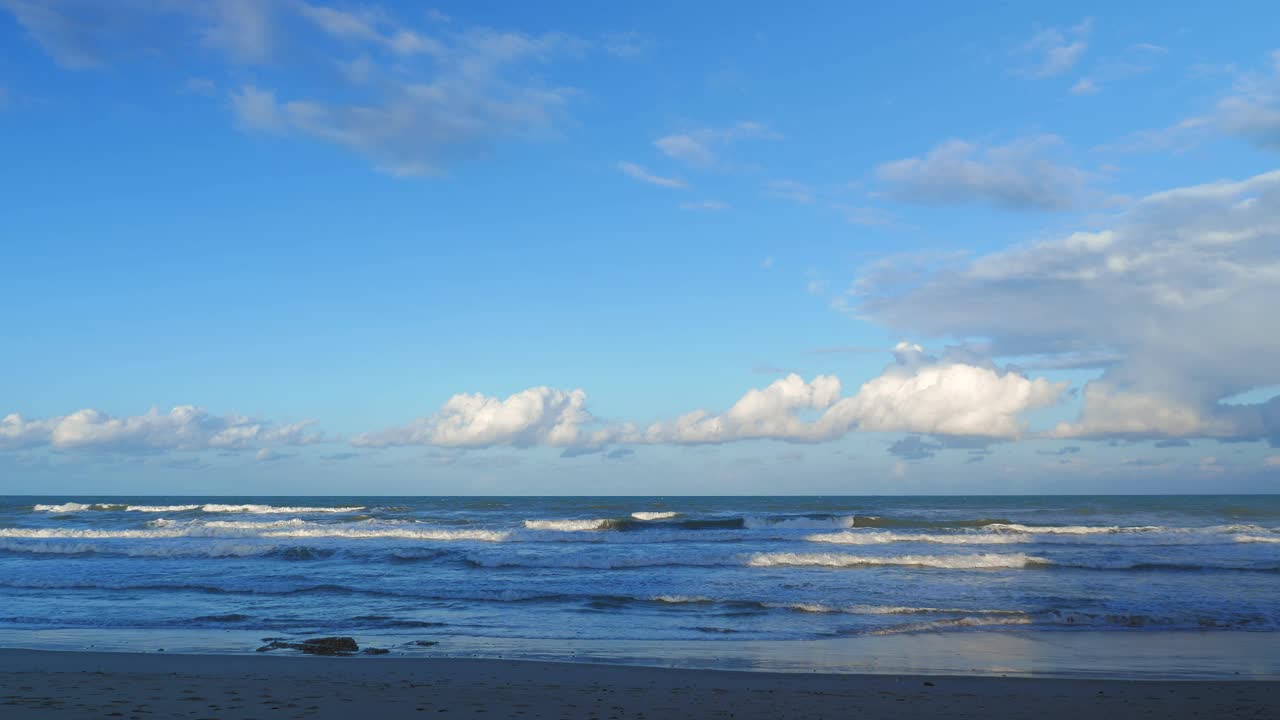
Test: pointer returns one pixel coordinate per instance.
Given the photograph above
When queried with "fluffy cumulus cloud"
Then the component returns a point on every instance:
(772, 412)
(410, 96)
(917, 394)
(1021, 175)
(948, 398)
(1179, 293)
(185, 427)
(537, 416)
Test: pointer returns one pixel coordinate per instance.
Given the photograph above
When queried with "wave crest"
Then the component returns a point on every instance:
(950, 562)
(654, 515)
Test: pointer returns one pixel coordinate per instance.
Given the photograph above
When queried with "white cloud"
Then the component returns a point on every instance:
(415, 126)
(637, 172)
(865, 216)
(412, 102)
(257, 109)
(1108, 412)
(768, 413)
(1057, 50)
(1084, 86)
(1017, 175)
(241, 28)
(1249, 109)
(915, 394)
(705, 205)
(269, 455)
(949, 398)
(790, 190)
(70, 41)
(625, 44)
(685, 148)
(1179, 292)
(699, 148)
(537, 416)
(185, 427)
(1252, 112)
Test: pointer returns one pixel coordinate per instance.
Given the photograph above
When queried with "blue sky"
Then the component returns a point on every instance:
(295, 247)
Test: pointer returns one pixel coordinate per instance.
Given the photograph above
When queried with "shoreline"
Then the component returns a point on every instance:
(1079, 654)
(54, 684)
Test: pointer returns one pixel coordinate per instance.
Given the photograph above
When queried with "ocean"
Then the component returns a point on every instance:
(435, 569)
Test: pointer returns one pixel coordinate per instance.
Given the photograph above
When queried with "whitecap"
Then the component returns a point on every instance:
(654, 515)
(885, 538)
(953, 562)
(566, 525)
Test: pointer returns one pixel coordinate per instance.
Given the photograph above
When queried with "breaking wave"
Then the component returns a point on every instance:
(654, 515)
(887, 538)
(567, 525)
(952, 562)
(73, 507)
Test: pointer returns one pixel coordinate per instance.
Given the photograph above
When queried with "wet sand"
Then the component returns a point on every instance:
(44, 684)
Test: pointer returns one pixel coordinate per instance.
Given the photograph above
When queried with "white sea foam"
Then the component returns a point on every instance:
(1072, 529)
(281, 529)
(953, 562)
(885, 538)
(395, 533)
(277, 510)
(1257, 538)
(566, 525)
(682, 599)
(778, 559)
(886, 609)
(595, 561)
(73, 507)
(981, 621)
(755, 522)
(654, 515)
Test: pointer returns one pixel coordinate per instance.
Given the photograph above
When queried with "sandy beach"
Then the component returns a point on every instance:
(43, 684)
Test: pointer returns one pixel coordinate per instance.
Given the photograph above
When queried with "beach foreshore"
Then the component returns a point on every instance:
(62, 684)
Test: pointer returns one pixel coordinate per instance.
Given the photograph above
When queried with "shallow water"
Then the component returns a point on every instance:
(652, 569)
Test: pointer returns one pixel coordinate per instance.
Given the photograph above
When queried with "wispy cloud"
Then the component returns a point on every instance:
(638, 172)
(1248, 109)
(183, 428)
(1084, 86)
(1056, 50)
(411, 99)
(1018, 175)
(711, 205)
(701, 147)
(792, 190)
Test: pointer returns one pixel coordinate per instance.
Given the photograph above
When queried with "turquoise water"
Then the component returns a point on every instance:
(639, 568)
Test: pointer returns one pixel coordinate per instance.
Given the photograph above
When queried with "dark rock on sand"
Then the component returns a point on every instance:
(374, 651)
(316, 646)
(425, 643)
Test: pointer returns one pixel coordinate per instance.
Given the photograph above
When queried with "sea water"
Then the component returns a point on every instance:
(605, 569)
